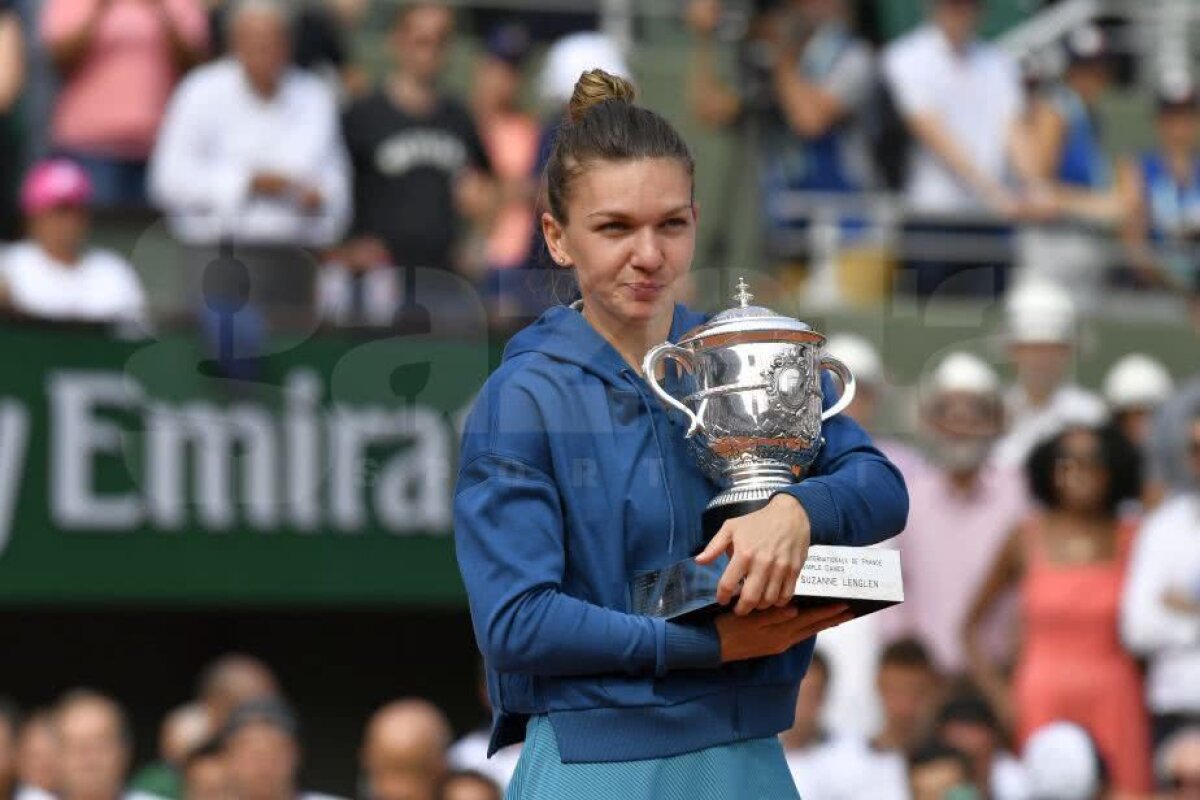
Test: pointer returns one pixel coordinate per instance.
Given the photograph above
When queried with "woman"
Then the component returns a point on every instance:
(120, 61)
(1069, 562)
(573, 479)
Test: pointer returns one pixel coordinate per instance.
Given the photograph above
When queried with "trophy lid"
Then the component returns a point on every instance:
(747, 322)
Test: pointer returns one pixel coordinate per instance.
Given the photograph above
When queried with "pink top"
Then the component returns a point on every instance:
(113, 102)
(951, 541)
(512, 145)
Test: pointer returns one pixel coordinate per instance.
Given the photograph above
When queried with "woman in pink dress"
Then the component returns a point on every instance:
(1068, 561)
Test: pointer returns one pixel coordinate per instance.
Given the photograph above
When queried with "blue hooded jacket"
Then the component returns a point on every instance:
(574, 478)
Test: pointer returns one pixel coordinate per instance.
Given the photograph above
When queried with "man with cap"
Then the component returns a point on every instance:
(1041, 327)
(262, 754)
(1160, 617)
(52, 274)
(965, 509)
(1135, 387)
(1163, 228)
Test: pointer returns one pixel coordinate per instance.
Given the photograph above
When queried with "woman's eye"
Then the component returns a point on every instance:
(612, 226)
(676, 223)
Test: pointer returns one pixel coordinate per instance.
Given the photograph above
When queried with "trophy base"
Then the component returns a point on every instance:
(865, 579)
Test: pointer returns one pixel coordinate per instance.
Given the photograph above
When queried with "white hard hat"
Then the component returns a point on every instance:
(859, 355)
(575, 54)
(964, 372)
(1061, 762)
(1041, 311)
(1137, 381)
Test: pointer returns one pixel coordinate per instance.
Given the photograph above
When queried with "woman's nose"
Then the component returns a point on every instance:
(648, 253)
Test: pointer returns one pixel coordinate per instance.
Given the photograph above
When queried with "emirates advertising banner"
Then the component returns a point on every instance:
(129, 474)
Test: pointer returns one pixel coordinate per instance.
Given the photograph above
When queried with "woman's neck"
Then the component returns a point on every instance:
(631, 341)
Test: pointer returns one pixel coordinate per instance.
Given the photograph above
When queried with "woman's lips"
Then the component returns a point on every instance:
(645, 291)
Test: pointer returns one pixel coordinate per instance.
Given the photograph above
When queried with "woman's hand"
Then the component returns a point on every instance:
(767, 550)
(771, 632)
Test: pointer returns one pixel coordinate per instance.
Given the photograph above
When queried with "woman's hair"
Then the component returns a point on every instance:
(1120, 459)
(604, 124)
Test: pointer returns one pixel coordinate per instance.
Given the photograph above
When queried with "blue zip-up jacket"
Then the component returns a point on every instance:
(573, 479)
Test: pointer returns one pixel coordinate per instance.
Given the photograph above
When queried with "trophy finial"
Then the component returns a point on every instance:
(743, 295)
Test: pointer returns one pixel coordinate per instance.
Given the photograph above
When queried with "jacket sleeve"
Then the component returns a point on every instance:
(1147, 625)
(508, 531)
(853, 495)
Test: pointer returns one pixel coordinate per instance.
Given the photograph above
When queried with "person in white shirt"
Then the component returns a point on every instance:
(1160, 613)
(1042, 322)
(250, 156)
(961, 100)
(52, 274)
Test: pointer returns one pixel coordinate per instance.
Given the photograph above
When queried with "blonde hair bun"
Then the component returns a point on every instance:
(595, 87)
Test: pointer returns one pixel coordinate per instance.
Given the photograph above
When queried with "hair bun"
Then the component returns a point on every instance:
(595, 87)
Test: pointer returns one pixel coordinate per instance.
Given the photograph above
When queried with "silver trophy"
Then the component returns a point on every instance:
(751, 383)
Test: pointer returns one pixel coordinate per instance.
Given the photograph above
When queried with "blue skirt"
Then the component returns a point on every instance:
(749, 770)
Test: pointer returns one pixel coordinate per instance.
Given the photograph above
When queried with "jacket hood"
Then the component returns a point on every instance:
(563, 334)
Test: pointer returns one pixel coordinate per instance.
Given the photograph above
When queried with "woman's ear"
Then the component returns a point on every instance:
(552, 231)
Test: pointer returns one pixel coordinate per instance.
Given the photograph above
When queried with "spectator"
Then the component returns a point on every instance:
(37, 758)
(1162, 231)
(250, 154)
(1041, 322)
(95, 747)
(231, 681)
(1072, 167)
(185, 729)
(1134, 389)
(1069, 562)
(420, 168)
(805, 742)
(204, 774)
(319, 38)
(261, 753)
(939, 772)
(1179, 765)
(120, 61)
(967, 723)
(510, 137)
(470, 754)
(404, 752)
(961, 147)
(12, 79)
(908, 688)
(1161, 608)
(1062, 763)
(52, 275)
(10, 724)
(468, 786)
(963, 510)
(806, 83)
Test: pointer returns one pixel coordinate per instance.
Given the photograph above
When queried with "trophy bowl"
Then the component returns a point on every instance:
(753, 398)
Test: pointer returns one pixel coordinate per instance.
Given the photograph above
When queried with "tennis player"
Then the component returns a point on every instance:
(574, 478)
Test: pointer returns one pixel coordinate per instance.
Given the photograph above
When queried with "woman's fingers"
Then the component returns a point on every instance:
(732, 578)
(807, 626)
(773, 594)
(752, 590)
(717, 545)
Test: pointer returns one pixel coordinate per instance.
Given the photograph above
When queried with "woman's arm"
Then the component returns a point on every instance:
(67, 38)
(1006, 570)
(853, 496)
(508, 531)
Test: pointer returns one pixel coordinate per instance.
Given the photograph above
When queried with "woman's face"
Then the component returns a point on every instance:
(1177, 128)
(1080, 474)
(630, 236)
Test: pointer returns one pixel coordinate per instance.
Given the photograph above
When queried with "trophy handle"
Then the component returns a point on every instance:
(656, 356)
(849, 386)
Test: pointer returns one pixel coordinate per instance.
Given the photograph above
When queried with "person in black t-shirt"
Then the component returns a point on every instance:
(420, 169)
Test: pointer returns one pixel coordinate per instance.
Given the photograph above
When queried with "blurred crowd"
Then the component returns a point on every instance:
(237, 739)
(296, 187)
